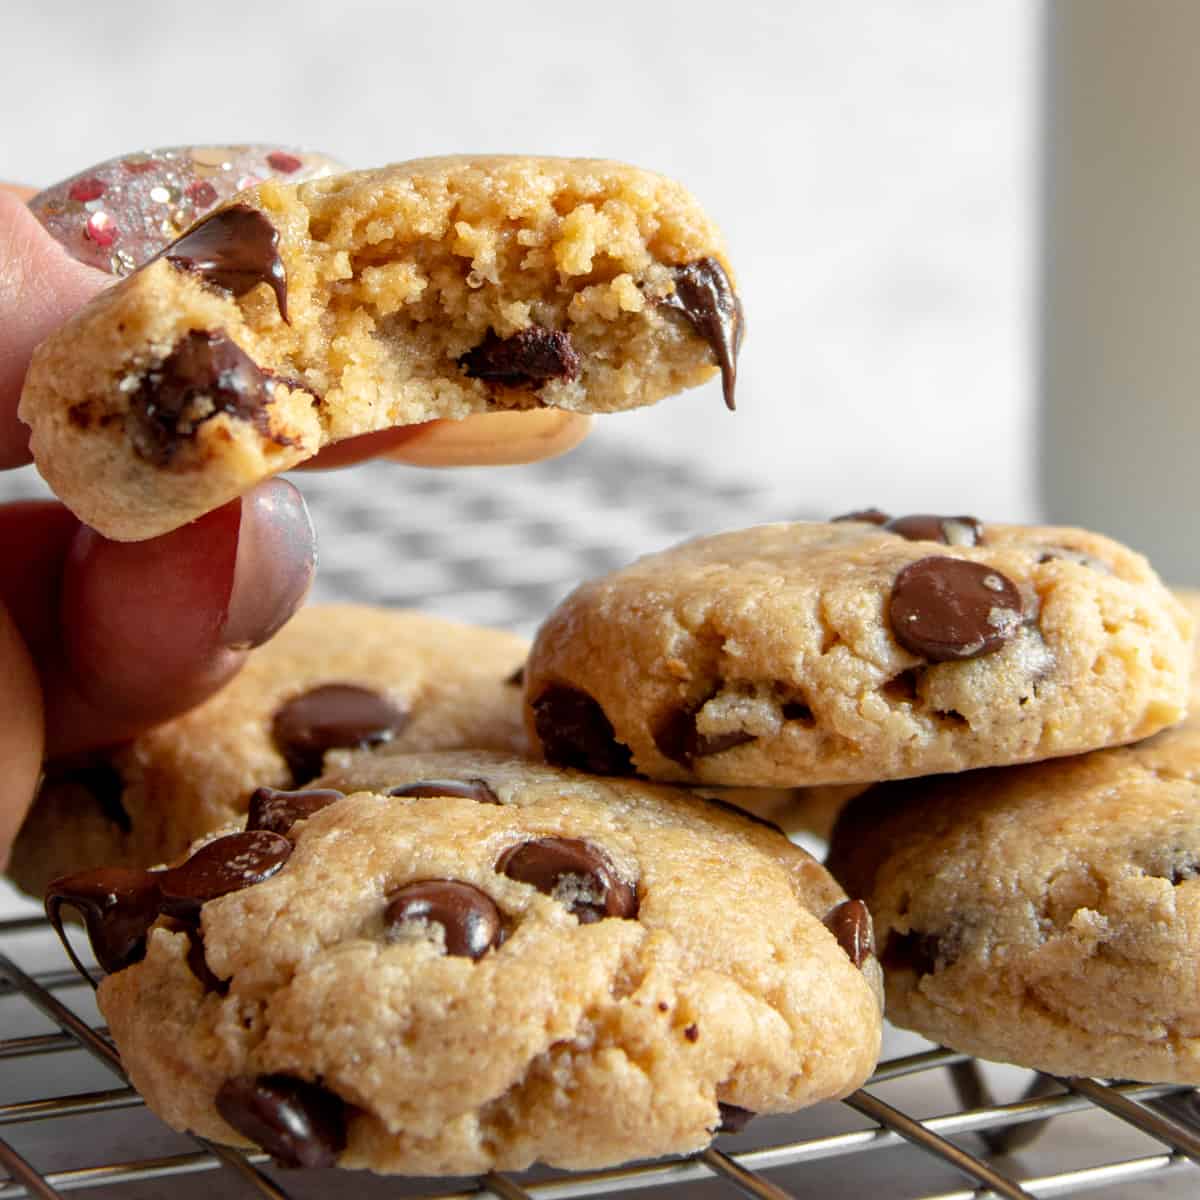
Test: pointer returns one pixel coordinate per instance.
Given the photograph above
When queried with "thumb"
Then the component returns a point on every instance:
(40, 286)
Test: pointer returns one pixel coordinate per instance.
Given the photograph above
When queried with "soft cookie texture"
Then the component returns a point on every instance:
(858, 650)
(299, 315)
(1046, 915)
(473, 961)
(335, 676)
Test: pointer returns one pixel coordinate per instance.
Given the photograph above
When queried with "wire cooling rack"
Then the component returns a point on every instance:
(501, 547)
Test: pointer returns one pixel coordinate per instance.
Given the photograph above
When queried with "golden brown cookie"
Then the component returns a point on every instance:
(299, 315)
(474, 961)
(336, 675)
(858, 650)
(1046, 915)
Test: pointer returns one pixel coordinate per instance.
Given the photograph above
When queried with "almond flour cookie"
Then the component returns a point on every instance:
(473, 962)
(335, 676)
(1046, 915)
(299, 315)
(858, 650)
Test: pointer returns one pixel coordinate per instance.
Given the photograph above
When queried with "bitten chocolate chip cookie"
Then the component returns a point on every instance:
(477, 962)
(299, 315)
(335, 676)
(1047, 915)
(859, 650)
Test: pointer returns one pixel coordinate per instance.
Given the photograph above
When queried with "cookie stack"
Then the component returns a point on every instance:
(386, 934)
(435, 902)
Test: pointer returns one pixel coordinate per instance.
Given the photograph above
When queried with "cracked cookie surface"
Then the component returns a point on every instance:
(855, 651)
(334, 676)
(300, 315)
(474, 961)
(1045, 915)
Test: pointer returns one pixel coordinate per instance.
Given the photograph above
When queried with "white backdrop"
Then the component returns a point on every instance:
(871, 164)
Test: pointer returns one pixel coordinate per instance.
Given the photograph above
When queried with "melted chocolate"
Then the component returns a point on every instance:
(235, 249)
(574, 872)
(527, 359)
(470, 920)
(334, 715)
(118, 906)
(926, 527)
(850, 923)
(220, 867)
(205, 375)
(705, 297)
(299, 1124)
(946, 609)
(575, 732)
(678, 739)
(278, 811)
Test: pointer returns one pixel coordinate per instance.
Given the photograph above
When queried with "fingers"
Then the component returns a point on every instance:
(484, 440)
(40, 286)
(128, 634)
(20, 732)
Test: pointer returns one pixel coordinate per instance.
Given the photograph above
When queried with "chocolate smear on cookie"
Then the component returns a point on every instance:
(575, 732)
(705, 297)
(527, 359)
(206, 374)
(118, 906)
(299, 1124)
(235, 249)
(947, 609)
(278, 811)
(574, 872)
(329, 716)
(470, 921)
(850, 923)
(868, 516)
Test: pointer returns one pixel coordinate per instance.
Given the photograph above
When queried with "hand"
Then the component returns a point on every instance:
(100, 640)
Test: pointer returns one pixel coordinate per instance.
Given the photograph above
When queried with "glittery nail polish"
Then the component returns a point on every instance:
(119, 214)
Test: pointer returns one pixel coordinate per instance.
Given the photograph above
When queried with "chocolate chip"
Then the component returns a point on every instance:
(299, 1124)
(235, 249)
(678, 739)
(797, 710)
(226, 865)
(918, 952)
(335, 714)
(199, 964)
(95, 783)
(118, 906)
(868, 516)
(574, 732)
(517, 678)
(466, 789)
(949, 608)
(850, 923)
(925, 527)
(527, 359)
(470, 920)
(705, 297)
(278, 811)
(692, 1033)
(574, 872)
(205, 374)
(733, 1118)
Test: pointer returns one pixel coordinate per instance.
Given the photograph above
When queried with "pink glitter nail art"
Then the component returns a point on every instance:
(120, 214)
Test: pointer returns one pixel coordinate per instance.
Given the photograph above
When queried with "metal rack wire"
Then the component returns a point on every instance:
(1165, 1113)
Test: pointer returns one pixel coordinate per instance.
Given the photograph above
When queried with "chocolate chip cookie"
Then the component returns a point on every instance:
(473, 961)
(301, 314)
(335, 676)
(858, 650)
